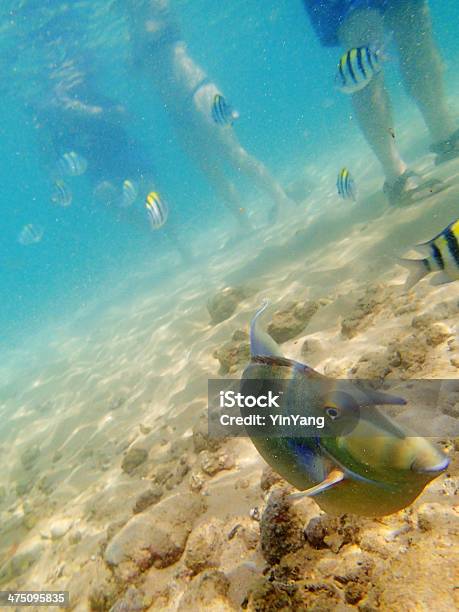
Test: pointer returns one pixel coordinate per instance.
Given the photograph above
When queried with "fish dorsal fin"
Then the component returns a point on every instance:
(284, 362)
(427, 243)
(261, 343)
(365, 395)
(273, 361)
(379, 398)
(425, 246)
(334, 477)
(368, 398)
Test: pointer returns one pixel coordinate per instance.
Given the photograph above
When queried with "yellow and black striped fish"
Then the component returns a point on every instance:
(345, 185)
(222, 112)
(442, 257)
(129, 193)
(61, 195)
(157, 210)
(72, 164)
(30, 234)
(356, 68)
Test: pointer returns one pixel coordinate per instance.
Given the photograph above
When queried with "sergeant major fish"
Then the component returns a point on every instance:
(222, 113)
(129, 193)
(72, 164)
(345, 185)
(442, 256)
(373, 470)
(157, 210)
(61, 195)
(30, 234)
(356, 68)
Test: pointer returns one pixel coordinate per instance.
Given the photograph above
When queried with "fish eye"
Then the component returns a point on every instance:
(332, 412)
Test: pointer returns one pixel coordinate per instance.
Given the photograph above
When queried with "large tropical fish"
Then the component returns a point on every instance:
(362, 463)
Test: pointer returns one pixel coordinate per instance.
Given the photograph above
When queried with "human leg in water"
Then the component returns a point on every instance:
(373, 110)
(422, 71)
(257, 173)
(225, 189)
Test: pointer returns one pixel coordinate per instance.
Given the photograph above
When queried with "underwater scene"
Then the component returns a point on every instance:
(229, 266)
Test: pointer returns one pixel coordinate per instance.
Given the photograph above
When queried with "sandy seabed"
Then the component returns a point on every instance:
(111, 488)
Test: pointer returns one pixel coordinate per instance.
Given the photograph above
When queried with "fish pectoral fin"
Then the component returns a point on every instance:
(334, 478)
(423, 247)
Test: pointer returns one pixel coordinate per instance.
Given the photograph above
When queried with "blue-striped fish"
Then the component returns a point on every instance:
(222, 112)
(61, 195)
(442, 256)
(30, 234)
(72, 164)
(129, 193)
(363, 463)
(345, 185)
(157, 210)
(356, 68)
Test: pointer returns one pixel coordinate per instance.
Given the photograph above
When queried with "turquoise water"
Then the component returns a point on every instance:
(266, 59)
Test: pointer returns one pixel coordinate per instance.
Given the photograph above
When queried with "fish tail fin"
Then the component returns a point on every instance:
(417, 269)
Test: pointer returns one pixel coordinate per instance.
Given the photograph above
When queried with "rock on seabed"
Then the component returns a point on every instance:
(133, 458)
(158, 535)
(292, 320)
(224, 303)
(204, 546)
